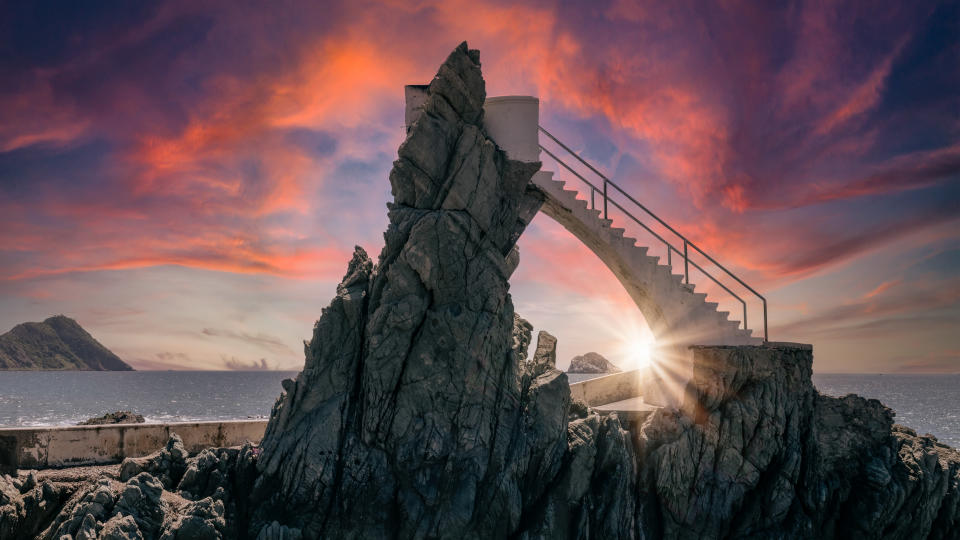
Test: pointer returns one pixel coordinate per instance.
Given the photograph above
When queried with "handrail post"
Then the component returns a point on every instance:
(766, 336)
(670, 249)
(605, 199)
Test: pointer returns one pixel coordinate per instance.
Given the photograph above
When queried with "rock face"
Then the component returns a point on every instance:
(119, 417)
(592, 363)
(414, 416)
(756, 452)
(166, 496)
(417, 415)
(56, 343)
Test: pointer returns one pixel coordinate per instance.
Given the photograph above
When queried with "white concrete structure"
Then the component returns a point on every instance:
(678, 316)
(512, 121)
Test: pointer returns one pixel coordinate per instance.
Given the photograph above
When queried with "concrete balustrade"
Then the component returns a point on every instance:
(607, 388)
(45, 447)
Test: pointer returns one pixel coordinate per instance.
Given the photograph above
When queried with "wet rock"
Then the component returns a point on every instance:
(119, 417)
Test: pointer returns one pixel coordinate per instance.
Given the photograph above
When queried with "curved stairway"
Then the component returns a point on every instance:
(676, 313)
(678, 316)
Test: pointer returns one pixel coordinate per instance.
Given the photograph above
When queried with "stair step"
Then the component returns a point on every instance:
(606, 222)
(617, 231)
(633, 243)
(712, 305)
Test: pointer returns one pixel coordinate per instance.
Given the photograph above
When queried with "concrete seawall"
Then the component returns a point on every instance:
(53, 447)
(49, 447)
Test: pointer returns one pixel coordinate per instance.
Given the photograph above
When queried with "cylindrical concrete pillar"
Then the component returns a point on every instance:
(511, 121)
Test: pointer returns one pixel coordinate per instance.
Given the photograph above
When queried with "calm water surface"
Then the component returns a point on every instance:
(31, 398)
(926, 403)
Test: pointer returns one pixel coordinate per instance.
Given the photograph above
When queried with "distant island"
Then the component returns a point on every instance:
(592, 363)
(58, 343)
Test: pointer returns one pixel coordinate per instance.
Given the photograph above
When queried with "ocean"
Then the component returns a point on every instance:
(63, 398)
(926, 403)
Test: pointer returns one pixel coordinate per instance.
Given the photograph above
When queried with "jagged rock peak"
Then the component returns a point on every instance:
(417, 414)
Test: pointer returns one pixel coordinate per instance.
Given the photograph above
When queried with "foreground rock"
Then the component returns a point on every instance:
(592, 363)
(756, 452)
(413, 416)
(119, 417)
(161, 496)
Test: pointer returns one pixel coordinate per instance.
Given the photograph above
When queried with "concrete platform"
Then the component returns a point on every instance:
(632, 411)
(607, 388)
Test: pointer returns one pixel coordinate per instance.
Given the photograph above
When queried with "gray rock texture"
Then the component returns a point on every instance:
(414, 416)
(168, 464)
(158, 497)
(756, 452)
(592, 363)
(118, 417)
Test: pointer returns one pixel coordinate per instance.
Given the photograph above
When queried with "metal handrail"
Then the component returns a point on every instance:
(670, 247)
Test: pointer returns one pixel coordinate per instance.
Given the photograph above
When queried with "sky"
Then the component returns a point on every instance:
(188, 179)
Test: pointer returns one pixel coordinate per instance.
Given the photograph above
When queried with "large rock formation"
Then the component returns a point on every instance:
(756, 452)
(592, 363)
(414, 416)
(56, 343)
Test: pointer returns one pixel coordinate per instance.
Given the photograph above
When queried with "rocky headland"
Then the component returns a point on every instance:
(418, 415)
(58, 343)
(592, 363)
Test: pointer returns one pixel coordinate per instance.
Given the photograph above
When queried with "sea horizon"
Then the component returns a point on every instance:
(925, 402)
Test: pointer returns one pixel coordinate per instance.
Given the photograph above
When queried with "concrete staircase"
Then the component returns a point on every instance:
(676, 312)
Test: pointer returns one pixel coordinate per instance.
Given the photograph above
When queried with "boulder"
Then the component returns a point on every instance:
(118, 417)
(168, 464)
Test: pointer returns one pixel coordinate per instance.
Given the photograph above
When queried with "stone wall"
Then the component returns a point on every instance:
(38, 448)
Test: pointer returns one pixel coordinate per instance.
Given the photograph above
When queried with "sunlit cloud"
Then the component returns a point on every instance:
(253, 142)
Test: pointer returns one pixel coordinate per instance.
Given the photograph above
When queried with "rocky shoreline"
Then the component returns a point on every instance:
(418, 415)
